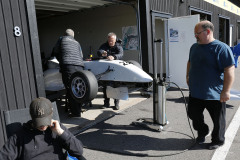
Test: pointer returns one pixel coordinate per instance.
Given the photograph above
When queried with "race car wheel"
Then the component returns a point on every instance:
(135, 63)
(83, 86)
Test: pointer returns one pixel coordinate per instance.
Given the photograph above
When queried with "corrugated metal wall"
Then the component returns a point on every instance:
(18, 57)
(178, 9)
(167, 6)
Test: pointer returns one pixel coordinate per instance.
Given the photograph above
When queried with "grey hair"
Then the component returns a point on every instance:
(112, 34)
(207, 25)
(69, 32)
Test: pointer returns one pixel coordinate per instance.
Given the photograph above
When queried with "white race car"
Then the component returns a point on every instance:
(84, 85)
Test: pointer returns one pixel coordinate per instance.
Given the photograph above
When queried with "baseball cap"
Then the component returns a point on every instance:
(41, 112)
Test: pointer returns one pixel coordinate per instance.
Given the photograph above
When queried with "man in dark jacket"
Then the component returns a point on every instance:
(69, 54)
(42, 137)
(110, 50)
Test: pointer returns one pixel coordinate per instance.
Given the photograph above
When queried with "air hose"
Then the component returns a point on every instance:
(149, 155)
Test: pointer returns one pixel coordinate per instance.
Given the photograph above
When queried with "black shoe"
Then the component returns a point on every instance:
(74, 115)
(106, 103)
(213, 145)
(116, 102)
(83, 110)
(201, 139)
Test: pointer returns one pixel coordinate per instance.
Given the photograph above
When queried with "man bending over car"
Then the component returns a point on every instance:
(110, 50)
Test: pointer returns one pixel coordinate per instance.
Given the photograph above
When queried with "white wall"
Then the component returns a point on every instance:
(91, 28)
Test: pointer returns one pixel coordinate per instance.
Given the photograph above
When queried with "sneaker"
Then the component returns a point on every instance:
(213, 145)
(201, 139)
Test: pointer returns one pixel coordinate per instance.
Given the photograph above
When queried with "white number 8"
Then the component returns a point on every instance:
(17, 31)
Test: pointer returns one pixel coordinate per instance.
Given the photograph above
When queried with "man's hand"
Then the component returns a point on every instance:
(104, 54)
(227, 83)
(224, 96)
(55, 127)
(187, 80)
(110, 58)
(187, 72)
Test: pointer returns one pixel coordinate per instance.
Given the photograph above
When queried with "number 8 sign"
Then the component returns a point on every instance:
(17, 31)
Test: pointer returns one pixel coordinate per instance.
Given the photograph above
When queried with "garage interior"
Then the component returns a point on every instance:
(91, 21)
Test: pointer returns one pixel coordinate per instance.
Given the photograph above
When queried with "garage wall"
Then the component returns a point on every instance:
(21, 76)
(177, 9)
(91, 28)
(182, 9)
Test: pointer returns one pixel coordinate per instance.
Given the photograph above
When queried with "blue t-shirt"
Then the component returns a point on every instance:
(206, 70)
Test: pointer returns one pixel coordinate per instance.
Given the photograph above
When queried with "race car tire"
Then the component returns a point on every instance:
(83, 86)
(135, 63)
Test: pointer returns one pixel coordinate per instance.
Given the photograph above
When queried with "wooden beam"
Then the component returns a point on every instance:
(34, 39)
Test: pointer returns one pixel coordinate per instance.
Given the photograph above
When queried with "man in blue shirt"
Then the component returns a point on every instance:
(210, 75)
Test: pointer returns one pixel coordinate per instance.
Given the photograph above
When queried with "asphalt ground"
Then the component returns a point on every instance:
(175, 141)
(111, 135)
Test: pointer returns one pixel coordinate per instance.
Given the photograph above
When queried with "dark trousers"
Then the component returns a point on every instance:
(67, 71)
(217, 111)
(106, 99)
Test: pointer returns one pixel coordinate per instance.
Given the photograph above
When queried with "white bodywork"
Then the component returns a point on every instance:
(53, 80)
(121, 71)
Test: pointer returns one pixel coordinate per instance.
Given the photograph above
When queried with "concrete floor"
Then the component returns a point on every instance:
(95, 114)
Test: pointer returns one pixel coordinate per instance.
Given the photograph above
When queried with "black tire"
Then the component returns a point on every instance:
(83, 86)
(135, 63)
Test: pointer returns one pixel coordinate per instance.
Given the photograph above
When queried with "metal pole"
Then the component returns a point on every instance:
(159, 99)
(160, 90)
(163, 89)
(155, 82)
(161, 110)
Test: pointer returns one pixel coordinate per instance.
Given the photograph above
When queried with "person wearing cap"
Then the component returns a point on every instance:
(42, 137)
(110, 50)
(69, 54)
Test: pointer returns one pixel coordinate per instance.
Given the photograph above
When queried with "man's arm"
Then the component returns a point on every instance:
(70, 142)
(187, 73)
(9, 150)
(120, 53)
(80, 51)
(57, 49)
(102, 51)
(227, 83)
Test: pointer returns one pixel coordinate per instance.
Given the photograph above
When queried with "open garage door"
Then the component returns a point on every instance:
(180, 39)
(177, 35)
(48, 8)
(91, 21)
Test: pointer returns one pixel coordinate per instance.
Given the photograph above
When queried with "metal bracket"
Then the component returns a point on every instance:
(101, 74)
(148, 123)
